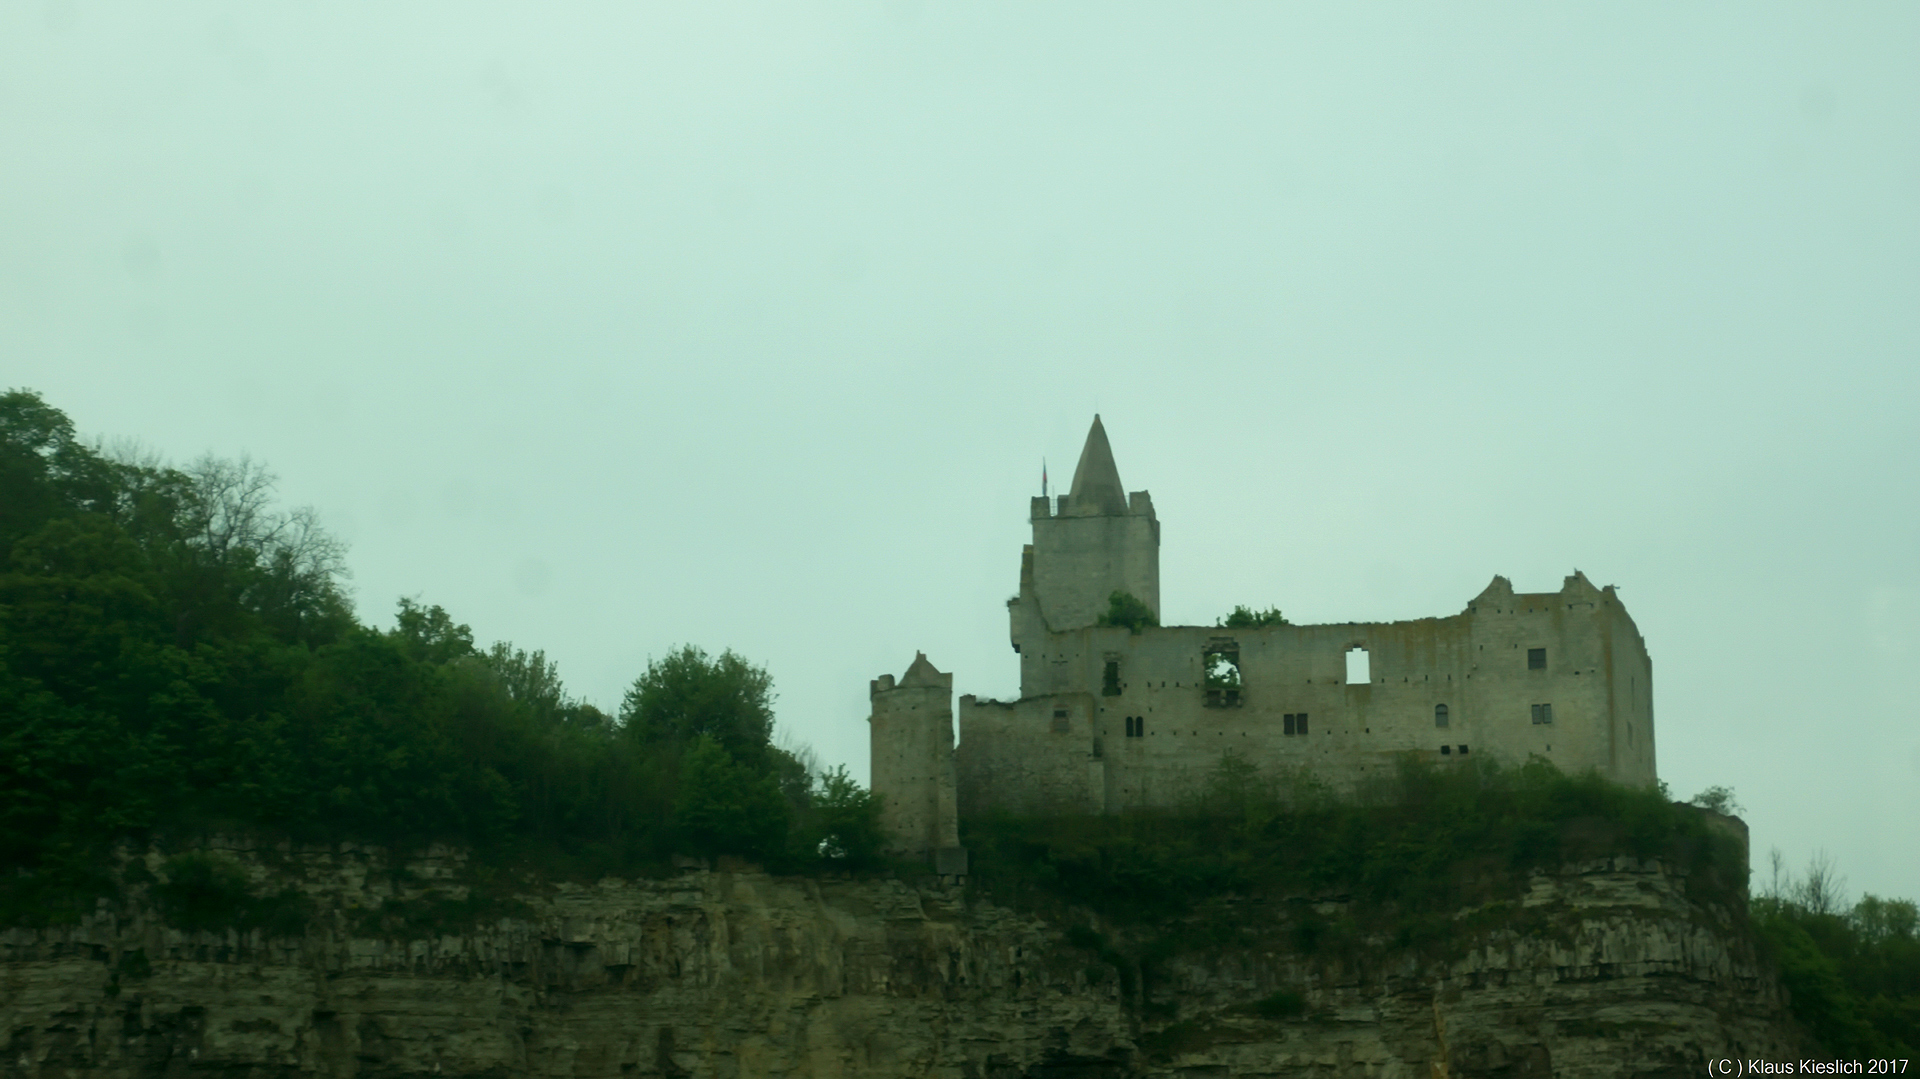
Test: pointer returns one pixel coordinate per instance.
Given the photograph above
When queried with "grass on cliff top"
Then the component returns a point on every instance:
(1425, 840)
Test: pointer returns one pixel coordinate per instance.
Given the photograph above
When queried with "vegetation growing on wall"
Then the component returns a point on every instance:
(1124, 609)
(177, 655)
(1427, 858)
(1428, 839)
(1269, 861)
(1248, 618)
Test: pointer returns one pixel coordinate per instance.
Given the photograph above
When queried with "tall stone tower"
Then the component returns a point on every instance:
(1100, 541)
(912, 742)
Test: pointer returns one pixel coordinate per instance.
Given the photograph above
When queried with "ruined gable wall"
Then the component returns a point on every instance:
(1576, 681)
(1020, 757)
(1476, 663)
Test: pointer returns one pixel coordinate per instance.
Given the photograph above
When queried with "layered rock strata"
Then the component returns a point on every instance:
(1604, 969)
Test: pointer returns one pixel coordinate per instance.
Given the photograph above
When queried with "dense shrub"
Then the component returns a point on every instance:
(1427, 839)
(1852, 973)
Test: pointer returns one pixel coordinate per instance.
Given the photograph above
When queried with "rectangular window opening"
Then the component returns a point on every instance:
(1110, 679)
(1220, 664)
(1463, 751)
(1300, 723)
(1288, 719)
(1440, 717)
(1446, 751)
(1536, 659)
(1060, 720)
(1359, 667)
(1543, 714)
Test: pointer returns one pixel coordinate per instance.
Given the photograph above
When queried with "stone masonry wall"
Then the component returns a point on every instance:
(1597, 681)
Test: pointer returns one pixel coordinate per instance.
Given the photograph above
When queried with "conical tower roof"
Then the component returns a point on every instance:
(1096, 482)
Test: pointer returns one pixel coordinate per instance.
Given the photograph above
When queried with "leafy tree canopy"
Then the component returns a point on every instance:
(687, 696)
(178, 653)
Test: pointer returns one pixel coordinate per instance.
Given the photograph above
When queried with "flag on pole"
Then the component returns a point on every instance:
(1043, 477)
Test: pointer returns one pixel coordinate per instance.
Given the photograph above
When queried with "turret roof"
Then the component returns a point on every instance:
(1096, 481)
(921, 672)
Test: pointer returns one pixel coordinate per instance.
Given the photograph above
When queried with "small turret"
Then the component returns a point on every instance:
(911, 737)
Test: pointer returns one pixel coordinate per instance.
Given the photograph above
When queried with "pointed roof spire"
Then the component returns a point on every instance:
(1096, 482)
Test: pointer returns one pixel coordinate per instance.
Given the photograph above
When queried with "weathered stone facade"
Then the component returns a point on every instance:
(912, 743)
(1110, 719)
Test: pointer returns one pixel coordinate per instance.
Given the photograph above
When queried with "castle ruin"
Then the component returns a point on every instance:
(1112, 718)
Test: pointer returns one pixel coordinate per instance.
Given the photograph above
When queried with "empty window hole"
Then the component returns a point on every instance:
(1359, 667)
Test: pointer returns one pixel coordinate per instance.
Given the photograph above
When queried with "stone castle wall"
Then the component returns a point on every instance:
(912, 763)
(1086, 558)
(1110, 719)
(1162, 732)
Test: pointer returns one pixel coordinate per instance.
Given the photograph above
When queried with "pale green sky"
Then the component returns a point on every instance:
(612, 327)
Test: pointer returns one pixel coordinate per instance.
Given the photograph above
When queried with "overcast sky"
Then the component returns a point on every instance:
(614, 327)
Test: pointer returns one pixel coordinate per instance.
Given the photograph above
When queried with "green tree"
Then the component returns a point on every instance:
(687, 695)
(44, 470)
(1248, 618)
(845, 825)
(1720, 800)
(430, 635)
(725, 807)
(532, 680)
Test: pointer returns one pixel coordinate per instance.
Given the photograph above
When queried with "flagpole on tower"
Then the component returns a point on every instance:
(1043, 477)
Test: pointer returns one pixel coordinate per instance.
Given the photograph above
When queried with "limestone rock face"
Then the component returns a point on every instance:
(737, 973)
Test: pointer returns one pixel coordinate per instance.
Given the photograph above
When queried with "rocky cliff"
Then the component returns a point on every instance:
(1602, 969)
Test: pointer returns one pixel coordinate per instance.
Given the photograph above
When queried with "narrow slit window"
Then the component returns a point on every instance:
(1359, 667)
(1439, 715)
(1288, 719)
(1300, 723)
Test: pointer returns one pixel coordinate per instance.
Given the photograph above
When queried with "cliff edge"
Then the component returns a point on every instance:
(1601, 969)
